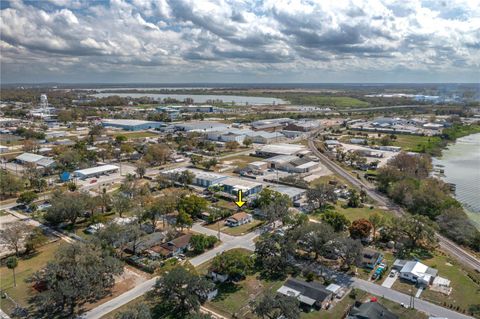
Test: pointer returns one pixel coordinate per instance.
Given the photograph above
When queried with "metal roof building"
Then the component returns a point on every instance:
(36, 159)
(202, 178)
(131, 125)
(95, 171)
(280, 149)
(202, 126)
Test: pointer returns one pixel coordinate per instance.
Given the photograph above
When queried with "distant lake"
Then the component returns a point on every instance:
(461, 163)
(240, 100)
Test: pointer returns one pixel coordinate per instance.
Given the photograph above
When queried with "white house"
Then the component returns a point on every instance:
(415, 271)
(238, 219)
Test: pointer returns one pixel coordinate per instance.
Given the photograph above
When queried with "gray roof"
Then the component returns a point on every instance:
(371, 310)
(127, 122)
(289, 191)
(312, 290)
(29, 157)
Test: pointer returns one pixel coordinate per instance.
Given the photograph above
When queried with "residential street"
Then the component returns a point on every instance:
(399, 297)
(246, 242)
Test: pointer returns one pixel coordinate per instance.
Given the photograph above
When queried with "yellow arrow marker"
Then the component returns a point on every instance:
(240, 202)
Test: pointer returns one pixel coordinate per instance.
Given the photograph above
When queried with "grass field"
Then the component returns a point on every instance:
(313, 99)
(356, 213)
(361, 212)
(415, 143)
(233, 299)
(241, 161)
(26, 267)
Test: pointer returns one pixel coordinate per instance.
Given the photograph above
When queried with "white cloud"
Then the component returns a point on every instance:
(244, 38)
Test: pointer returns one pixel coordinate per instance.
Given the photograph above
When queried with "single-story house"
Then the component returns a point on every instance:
(370, 310)
(415, 271)
(371, 258)
(238, 219)
(145, 243)
(310, 294)
(174, 247)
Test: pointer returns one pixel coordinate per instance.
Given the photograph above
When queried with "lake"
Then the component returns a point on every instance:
(240, 100)
(461, 164)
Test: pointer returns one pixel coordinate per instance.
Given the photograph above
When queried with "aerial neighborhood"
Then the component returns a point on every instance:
(225, 159)
(324, 215)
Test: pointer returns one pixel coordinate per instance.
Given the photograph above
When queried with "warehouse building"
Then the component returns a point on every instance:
(281, 149)
(239, 135)
(271, 125)
(202, 178)
(292, 163)
(96, 171)
(294, 193)
(303, 126)
(232, 185)
(40, 160)
(131, 125)
(202, 126)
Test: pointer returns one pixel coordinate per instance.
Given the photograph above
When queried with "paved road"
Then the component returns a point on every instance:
(228, 242)
(121, 300)
(398, 297)
(447, 245)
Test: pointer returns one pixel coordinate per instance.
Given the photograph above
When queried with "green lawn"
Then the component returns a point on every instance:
(235, 231)
(26, 267)
(233, 299)
(356, 213)
(361, 212)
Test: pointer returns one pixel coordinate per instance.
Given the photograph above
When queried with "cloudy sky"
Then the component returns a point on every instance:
(240, 41)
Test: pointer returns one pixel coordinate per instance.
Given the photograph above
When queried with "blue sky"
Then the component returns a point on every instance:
(240, 41)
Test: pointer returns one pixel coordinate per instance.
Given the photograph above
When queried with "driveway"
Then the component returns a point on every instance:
(398, 297)
(389, 281)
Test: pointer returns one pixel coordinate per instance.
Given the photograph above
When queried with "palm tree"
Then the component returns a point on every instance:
(12, 263)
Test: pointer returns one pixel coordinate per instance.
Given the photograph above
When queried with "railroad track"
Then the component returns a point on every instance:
(446, 245)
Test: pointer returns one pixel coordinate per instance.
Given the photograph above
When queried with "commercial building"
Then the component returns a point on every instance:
(232, 185)
(96, 171)
(292, 163)
(202, 126)
(40, 160)
(271, 124)
(303, 126)
(131, 125)
(201, 178)
(281, 149)
(293, 193)
(239, 135)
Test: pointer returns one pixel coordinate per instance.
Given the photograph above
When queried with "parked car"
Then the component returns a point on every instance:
(44, 206)
(393, 273)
